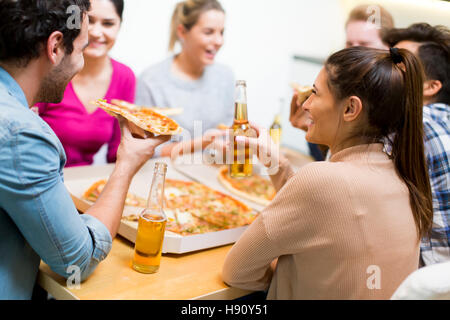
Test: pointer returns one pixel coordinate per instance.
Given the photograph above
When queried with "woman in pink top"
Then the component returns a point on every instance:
(347, 228)
(82, 127)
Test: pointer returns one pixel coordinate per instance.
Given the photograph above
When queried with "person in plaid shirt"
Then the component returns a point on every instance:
(432, 46)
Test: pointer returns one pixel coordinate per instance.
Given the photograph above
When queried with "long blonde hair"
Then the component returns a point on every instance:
(187, 13)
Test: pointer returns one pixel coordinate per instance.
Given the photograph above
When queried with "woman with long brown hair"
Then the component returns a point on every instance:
(347, 228)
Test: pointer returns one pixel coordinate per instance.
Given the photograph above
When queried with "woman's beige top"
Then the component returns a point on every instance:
(341, 229)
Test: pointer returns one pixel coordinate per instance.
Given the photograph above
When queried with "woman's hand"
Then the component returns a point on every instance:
(177, 149)
(260, 142)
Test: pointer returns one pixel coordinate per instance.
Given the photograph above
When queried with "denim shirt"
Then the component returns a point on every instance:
(38, 219)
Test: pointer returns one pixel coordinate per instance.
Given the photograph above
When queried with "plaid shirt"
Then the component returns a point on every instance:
(436, 120)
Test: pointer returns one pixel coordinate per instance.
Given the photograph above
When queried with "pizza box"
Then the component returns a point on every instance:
(196, 167)
(78, 179)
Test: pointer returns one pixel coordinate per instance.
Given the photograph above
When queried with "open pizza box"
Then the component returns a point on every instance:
(78, 179)
(199, 167)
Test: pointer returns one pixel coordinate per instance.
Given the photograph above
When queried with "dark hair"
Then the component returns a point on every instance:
(25, 26)
(392, 95)
(434, 52)
(118, 4)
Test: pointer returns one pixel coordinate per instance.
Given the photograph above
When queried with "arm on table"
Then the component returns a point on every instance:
(34, 196)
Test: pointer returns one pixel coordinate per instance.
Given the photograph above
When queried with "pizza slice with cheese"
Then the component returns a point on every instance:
(133, 107)
(145, 119)
(254, 188)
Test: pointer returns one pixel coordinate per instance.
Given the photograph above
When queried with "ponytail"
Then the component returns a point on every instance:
(390, 85)
(408, 148)
(175, 21)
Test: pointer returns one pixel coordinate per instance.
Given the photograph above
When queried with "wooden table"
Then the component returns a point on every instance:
(195, 275)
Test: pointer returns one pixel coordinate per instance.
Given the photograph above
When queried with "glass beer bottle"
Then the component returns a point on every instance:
(151, 226)
(242, 157)
(275, 128)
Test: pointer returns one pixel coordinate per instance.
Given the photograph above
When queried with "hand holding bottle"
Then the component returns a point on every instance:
(266, 149)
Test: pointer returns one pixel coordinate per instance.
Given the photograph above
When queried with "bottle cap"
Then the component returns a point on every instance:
(160, 167)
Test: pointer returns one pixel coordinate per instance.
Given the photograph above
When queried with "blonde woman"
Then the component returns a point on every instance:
(366, 25)
(191, 79)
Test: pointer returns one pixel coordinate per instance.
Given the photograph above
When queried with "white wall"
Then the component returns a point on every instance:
(261, 37)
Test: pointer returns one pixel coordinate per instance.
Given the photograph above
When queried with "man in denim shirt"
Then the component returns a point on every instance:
(39, 55)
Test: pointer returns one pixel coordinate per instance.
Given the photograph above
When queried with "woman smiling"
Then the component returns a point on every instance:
(347, 228)
(83, 128)
(191, 79)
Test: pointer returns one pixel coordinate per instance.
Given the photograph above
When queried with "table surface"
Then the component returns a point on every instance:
(194, 275)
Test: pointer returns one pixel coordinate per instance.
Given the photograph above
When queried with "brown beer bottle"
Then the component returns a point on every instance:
(242, 157)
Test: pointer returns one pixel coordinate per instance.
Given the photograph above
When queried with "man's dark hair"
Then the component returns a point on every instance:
(434, 52)
(25, 26)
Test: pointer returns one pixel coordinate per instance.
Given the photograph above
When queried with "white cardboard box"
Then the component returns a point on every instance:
(78, 179)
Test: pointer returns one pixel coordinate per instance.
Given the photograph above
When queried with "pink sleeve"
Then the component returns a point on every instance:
(126, 91)
(42, 107)
(113, 144)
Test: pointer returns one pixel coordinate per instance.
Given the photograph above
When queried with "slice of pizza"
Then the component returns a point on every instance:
(131, 106)
(146, 119)
(303, 92)
(94, 191)
(254, 188)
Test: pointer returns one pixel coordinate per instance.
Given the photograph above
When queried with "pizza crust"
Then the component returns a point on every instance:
(303, 92)
(131, 106)
(141, 119)
(222, 179)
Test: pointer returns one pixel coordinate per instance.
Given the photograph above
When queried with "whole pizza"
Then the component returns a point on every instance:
(145, 118)
(190, 207)
(254, 188)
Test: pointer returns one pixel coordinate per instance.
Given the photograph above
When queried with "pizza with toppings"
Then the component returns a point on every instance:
(207, 204)
(145, 119)
(94, 191)
(133, 107)
(190, 207)
(254, 188)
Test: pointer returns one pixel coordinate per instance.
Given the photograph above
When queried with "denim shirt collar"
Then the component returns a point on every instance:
(12, 87)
